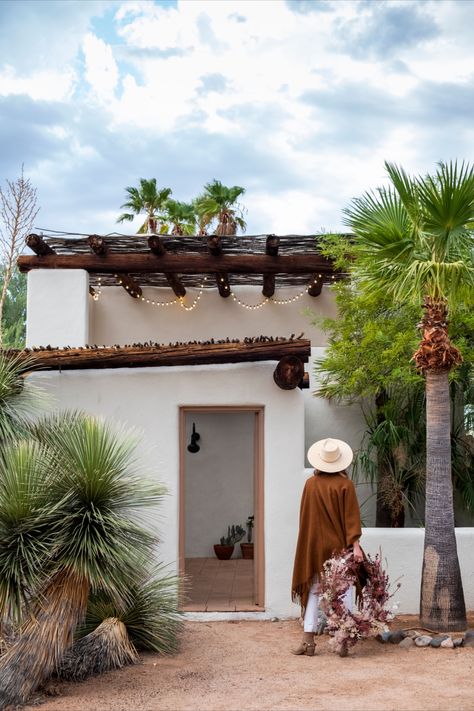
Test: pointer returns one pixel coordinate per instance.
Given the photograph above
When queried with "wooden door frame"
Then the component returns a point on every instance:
(258, 487)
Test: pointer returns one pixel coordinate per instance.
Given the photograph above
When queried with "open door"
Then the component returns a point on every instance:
(221, 484)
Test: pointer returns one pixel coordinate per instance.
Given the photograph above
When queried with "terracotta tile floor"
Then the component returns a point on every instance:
(219, 585)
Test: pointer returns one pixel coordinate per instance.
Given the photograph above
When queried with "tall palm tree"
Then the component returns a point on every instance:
(96, 541)
(219, 202)
(182, 217)
(414, 240)
(148, 199)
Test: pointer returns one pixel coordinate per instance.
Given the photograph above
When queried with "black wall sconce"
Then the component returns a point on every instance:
(194, 447)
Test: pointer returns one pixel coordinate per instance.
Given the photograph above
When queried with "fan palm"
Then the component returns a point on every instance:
(182, 216)
(97, 541)
(414, 241)
(219, 202)
(148, 199)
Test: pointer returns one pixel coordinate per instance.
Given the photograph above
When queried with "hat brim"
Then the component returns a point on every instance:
(341, 463)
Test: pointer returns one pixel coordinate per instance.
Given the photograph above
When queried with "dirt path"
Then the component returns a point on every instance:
(235, 666)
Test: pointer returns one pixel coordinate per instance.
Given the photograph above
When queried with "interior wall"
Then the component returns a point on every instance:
(218, 478)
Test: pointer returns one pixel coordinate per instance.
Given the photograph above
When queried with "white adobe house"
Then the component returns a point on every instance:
(120, 291)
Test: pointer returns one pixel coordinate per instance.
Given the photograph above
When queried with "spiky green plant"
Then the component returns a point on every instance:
(99, 541)
(181, 217)
(19, 401)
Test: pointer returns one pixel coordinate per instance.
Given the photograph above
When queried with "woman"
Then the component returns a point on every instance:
(329, 522)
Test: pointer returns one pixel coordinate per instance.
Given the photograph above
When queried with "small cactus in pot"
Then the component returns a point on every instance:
(247, 548)
(225, 548)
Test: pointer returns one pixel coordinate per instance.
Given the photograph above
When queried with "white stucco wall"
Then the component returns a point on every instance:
(57, 307)
(218, 478)
(117, 318)
(149, 399)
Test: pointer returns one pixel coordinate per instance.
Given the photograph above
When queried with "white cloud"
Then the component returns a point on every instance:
(47, 85)
(101, 70)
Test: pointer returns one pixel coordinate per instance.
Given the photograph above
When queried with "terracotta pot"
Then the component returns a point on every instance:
(247, 550)
(223, 552)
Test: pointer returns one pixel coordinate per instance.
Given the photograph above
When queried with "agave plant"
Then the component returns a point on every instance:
(97, 541)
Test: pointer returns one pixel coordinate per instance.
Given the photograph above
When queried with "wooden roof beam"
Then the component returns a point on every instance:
(98, 245)
(157, 247)
(271, 249)
(183, 263)
(38, 245)
(315, 285)
(167, 355)
(214, 245)
(130, 285)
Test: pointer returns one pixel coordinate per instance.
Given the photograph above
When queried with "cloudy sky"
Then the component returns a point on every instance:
(299, 101)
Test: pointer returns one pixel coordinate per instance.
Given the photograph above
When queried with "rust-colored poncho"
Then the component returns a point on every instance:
(329, 521)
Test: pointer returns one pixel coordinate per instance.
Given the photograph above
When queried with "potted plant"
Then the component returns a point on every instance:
(247, 548)
(225, 548)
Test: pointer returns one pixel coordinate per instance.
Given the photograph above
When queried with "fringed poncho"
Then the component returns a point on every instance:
(329, 522)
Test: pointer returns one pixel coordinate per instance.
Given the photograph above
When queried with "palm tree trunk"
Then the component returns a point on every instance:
(442, 599)
(47, 634)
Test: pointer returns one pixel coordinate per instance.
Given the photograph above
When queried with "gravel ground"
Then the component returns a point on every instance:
(235, 666)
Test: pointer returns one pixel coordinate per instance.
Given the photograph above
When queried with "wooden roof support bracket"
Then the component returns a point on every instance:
(38, 245)
(315, 285)
(130, 285)
(214, 245)
(271, 248)
(156, 246)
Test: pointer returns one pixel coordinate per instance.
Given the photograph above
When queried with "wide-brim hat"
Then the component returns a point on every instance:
(330, 455)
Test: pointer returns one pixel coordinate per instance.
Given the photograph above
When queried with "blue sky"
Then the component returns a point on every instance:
(298, 101)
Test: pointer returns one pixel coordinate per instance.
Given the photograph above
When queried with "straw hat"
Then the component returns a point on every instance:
(330, 455)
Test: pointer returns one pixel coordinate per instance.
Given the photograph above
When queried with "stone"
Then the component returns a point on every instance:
(423, 641)
(397, 637)
(436, 641)
(385, 637)
(274, 619)
(407, 643)
(447, 643)
(458, 642)
(469, 638)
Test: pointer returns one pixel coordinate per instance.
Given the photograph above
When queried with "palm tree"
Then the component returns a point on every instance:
(414, 240)
(219, 202)
(94, 541)
(182, 217)
(148, 199)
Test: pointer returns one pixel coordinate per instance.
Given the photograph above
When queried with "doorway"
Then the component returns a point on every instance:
(221, 485)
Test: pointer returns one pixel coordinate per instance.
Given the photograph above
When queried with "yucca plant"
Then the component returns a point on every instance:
(99, 542)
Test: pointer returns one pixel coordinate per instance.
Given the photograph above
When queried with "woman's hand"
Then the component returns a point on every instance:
(358, 555)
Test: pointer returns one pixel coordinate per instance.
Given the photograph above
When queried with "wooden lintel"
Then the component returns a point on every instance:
(316, 285)
(176, 284)
(98, 245)
(289, 372)
(222, 281)
(214, 245)
(38, 245)
(184, 263)
(161, 355)
(268, 285)
(130, 285)
(271, 245)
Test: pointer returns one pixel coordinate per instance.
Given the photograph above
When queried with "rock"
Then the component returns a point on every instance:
(385, 637)
(447, 643)
(423, 641)
(458, 642)
(436, 641)
(397, 637)
(469, 638)
(274, 619)
(407, 643)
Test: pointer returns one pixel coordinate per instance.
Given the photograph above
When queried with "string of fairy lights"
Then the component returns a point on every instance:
(179, 300)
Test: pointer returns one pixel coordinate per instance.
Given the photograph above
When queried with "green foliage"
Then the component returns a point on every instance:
(182, 217)
(146, 198)
(150, 614)
(14, 312)
(219, 203)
